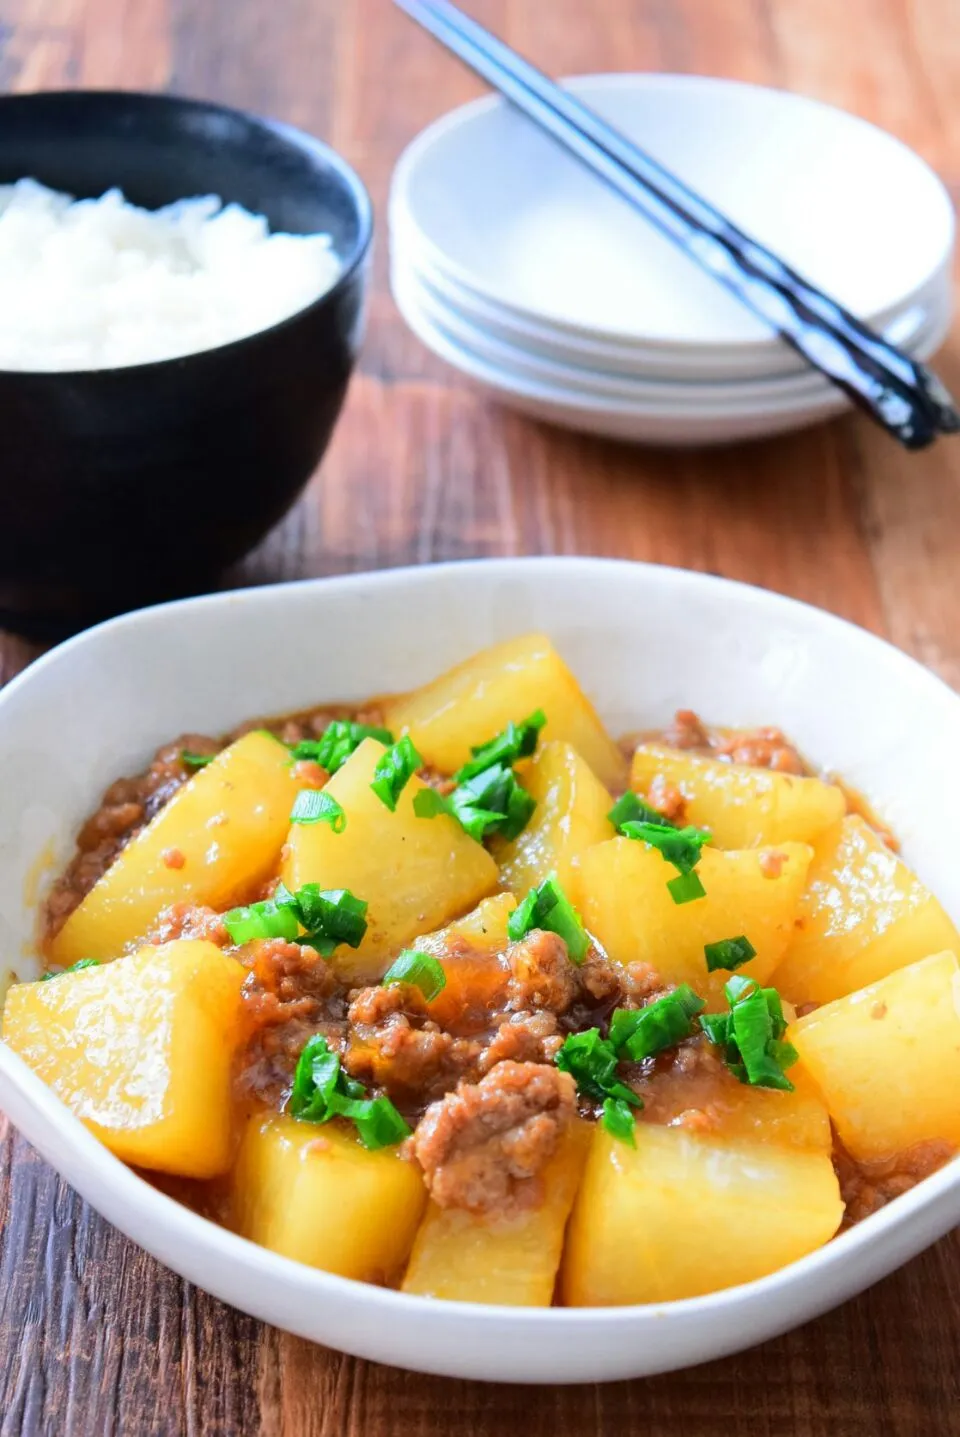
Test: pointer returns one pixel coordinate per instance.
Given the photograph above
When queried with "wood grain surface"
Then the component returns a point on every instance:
(95, 1337)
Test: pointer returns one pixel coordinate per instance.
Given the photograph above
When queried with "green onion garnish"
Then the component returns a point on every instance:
(751, 1035)
(337, 742)
(196, 760)
(548, 907)
(493, 801)
(327, 917)
(322, 1090)
(377, 1121)
(488, 797)
(729, 953)
(394, 771)
(641, 1032)
(686, 888)
(420, 969)
(316, 805)
(74, 968)
(592, 1062)
(516, 741)
(276, 917)
(680, 847)
(331, 916)
(631, 808)
(427, 803)
(618, 1120)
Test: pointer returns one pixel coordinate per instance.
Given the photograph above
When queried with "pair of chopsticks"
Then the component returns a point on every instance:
(899, 392)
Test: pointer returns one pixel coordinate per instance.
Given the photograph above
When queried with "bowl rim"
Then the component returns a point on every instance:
(463, 115)
(292, 136)
(156, 1220)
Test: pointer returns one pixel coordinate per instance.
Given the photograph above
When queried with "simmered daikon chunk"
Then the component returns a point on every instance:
(741, 806)
(140, 1050)
(862, 916)
(313, 1192)
(415, 873)
(887, 1059)
(471, 703)
(680, 1215)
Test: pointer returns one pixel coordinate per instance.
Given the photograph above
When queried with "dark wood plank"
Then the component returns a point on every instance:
(96, 1337)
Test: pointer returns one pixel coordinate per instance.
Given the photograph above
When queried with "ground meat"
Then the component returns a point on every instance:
(189, 920)
(667, 799)
(523, 1038)
(439, 782)
(542, 975)
(289, 995)
(760, 748)
(127, 805)
(686, 731)
(484, 1147)
(395, 1046)
(687, 1086)
(310, 773)
(599, 980)
(867, 1187)
(641, 984)
(298, 727)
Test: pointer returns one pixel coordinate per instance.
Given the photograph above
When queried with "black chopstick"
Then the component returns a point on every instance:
(900, 393)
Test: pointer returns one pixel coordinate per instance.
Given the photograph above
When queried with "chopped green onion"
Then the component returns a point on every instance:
(686, 888)
(316, 805)
(751, 1035)
(74, 968)
(427, 803)
(631, 808)
(728, 953)
(195, 760)
(492, 801)
(377, 1121)
(516, 741)
(394, 771)
(337, 742)
(321, 1091)
(316, 1076)
(642, 1032)
(618, 1120)
(739, 987)
(330, 917)
(272, 918)
(592, 1062)
(548, 907)
(488, 797)
(422, 970)
(717, 1027)
(680, 847)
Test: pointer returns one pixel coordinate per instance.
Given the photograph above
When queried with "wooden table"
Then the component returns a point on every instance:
(97, 1338)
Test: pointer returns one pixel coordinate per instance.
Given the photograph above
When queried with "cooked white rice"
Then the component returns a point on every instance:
(93, 284)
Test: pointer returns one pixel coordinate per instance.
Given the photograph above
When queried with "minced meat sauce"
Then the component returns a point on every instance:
(472, 1072)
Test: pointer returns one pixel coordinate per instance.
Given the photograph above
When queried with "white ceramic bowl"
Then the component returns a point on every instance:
(494, 204)
(644, 640)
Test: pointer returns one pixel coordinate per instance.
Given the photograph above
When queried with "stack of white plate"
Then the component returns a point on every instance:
(516, 265)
